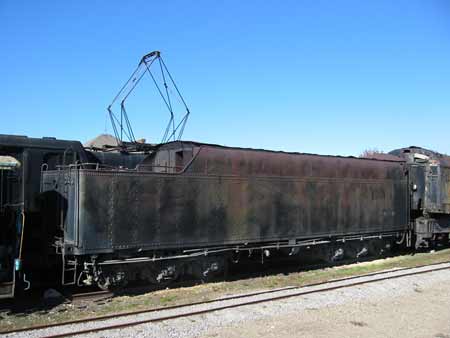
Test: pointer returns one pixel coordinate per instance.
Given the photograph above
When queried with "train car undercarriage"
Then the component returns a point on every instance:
(161, 268)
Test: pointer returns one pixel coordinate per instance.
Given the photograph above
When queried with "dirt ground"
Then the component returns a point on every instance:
(420, 313)
(302, 325)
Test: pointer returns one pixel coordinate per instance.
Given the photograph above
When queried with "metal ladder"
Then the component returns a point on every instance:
(69, 271)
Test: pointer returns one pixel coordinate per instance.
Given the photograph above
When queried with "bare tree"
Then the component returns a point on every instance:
(368, 153)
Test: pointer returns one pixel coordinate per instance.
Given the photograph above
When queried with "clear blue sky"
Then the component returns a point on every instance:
(330, 77)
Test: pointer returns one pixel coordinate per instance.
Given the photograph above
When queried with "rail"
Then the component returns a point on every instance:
(357, 280)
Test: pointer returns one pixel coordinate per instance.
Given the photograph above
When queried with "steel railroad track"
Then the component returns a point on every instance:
(398, 273)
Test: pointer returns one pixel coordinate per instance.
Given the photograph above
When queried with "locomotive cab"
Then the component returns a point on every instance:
(9, 209)
(26, 254)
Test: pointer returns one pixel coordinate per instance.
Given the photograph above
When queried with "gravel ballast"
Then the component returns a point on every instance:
(225, 322)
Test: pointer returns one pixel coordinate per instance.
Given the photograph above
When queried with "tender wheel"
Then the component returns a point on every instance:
(111, 281)
(209, 268)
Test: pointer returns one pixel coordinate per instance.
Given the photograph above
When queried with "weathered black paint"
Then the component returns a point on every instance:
(231, 196)
(429, 177)
(21, 198)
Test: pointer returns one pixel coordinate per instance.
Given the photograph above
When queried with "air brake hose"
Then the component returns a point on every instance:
(21, 235)
(18, 261)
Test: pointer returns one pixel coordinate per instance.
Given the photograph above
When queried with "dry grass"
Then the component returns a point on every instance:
(197, 293)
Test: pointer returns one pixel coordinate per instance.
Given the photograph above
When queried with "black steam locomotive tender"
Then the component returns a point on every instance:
(108, 216)
(193, 208)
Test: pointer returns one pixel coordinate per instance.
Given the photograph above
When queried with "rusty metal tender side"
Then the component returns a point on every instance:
(189, 199)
